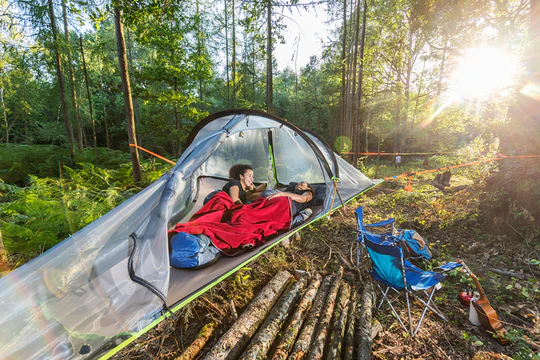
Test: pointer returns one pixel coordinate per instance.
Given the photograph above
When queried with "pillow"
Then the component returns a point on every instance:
(318, 197)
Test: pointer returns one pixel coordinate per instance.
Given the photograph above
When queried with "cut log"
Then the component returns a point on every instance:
(196, 346)
(289, 335)
(233, 342)
(349, 335)
(364, 348)
(265, 336)
(316, 349)
(339, 320)
(301, 347)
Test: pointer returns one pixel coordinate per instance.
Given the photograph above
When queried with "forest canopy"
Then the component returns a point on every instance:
(399, 76)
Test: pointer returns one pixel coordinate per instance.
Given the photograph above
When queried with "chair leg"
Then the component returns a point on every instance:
(385, 297)
(409, 312)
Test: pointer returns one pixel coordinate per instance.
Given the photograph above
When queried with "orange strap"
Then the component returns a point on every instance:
(153, 154)
(500, 157)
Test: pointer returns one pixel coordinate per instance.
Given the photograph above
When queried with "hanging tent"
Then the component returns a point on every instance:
(110, 282)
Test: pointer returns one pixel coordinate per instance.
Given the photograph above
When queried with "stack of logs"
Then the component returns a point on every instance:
(306, 318)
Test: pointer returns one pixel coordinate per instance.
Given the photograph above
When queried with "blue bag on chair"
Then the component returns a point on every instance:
(192, 251)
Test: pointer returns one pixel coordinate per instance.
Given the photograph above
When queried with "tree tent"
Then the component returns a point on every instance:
(98, 290)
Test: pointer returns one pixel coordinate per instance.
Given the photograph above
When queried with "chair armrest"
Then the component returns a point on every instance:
(382, 223)
(448, 266)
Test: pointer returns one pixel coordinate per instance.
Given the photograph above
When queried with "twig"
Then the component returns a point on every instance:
(213, 306)
(233, 309)
(508, 273)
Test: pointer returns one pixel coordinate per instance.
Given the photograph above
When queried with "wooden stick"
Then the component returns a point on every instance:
(349, 335)
(316, 349)
(301, 347)
(508, 273)
(297, 319)
(265, 336)
(232, 343)
(339, 321)
(233, 309)
(364, 348)
(196, 346)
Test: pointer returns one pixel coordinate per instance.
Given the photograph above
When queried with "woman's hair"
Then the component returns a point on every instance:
(239, 169)
(310, 187)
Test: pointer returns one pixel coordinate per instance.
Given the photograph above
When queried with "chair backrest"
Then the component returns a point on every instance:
(360, 219)
(388, 263)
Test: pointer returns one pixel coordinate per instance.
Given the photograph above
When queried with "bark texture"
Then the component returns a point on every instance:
(349, 334)
(339, 322)
(232, 343)
(301, 346)
(196, 346)
(265, 336)
(316, 349)
(297, 319)
(364, 348)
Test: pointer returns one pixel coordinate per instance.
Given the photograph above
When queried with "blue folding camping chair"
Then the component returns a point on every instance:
(393, 272)
(388, 234)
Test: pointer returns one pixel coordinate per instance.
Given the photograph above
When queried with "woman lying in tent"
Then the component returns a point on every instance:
(240, 186)
(221, 226)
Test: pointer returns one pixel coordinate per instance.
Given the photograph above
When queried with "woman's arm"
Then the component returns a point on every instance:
(234, 193)
(305, 197)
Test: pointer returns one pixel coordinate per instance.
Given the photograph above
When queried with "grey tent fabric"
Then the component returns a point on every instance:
(110, 281)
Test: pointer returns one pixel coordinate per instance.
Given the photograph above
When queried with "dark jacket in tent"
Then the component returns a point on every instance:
(111, 281)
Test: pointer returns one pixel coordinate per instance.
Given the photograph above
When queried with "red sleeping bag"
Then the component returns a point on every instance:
(235, 227)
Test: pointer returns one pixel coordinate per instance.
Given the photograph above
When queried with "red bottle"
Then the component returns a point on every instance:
(465, 298)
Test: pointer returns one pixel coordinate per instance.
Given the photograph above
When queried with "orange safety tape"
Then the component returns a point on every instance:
(501, 156)
(154, 154)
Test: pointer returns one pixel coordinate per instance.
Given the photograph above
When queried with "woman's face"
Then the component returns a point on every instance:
(247, 179)
(302, 185)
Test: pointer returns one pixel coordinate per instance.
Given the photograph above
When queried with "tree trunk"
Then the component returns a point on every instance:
(132, 76)
(60, 78)
(126, 88)
(227, 55)
(358, 118)
(301, 347)
(316, 349)
(269, 79)
(263, 339)
(297, 319)
(78, 129)
(343, 105)
(349, 334)
(231, 344)
(364, 348)
(3, 252)
(89, 101)
(338, 323)
(355, 105)
(233, 55)
(6, 124)
(107, 142)
(196, 346)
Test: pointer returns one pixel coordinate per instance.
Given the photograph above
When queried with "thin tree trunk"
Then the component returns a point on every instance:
(231, 344)
(349, 334)
(199, 48)
(196, 346)
(301, 347)
(443, 61)
(103, 104)
(265, 336)
(233, 55)
(78, 130)
(342, 129)
(3, 252)
(355, 102)
(338, 323)
(132, 76)
(60, 78)
(364, 348)
(176, 118)
(126, 88)
(316, 349)
(297, 319)
(227, 55)
(358, 118)
(269, 78)
(5, 114)
(94, 137)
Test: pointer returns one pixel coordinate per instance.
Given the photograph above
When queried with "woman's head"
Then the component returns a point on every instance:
(304, 186)
(243, 173)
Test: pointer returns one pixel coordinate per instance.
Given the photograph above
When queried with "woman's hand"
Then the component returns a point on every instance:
(279, 194)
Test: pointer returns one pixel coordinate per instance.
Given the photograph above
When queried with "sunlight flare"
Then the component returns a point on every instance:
(481, 72)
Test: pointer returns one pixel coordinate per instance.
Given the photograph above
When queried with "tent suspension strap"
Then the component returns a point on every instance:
(336, 191)
(153, 154)
(500, 157)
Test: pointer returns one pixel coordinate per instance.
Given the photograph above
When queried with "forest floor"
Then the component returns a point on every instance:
(454, 224)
